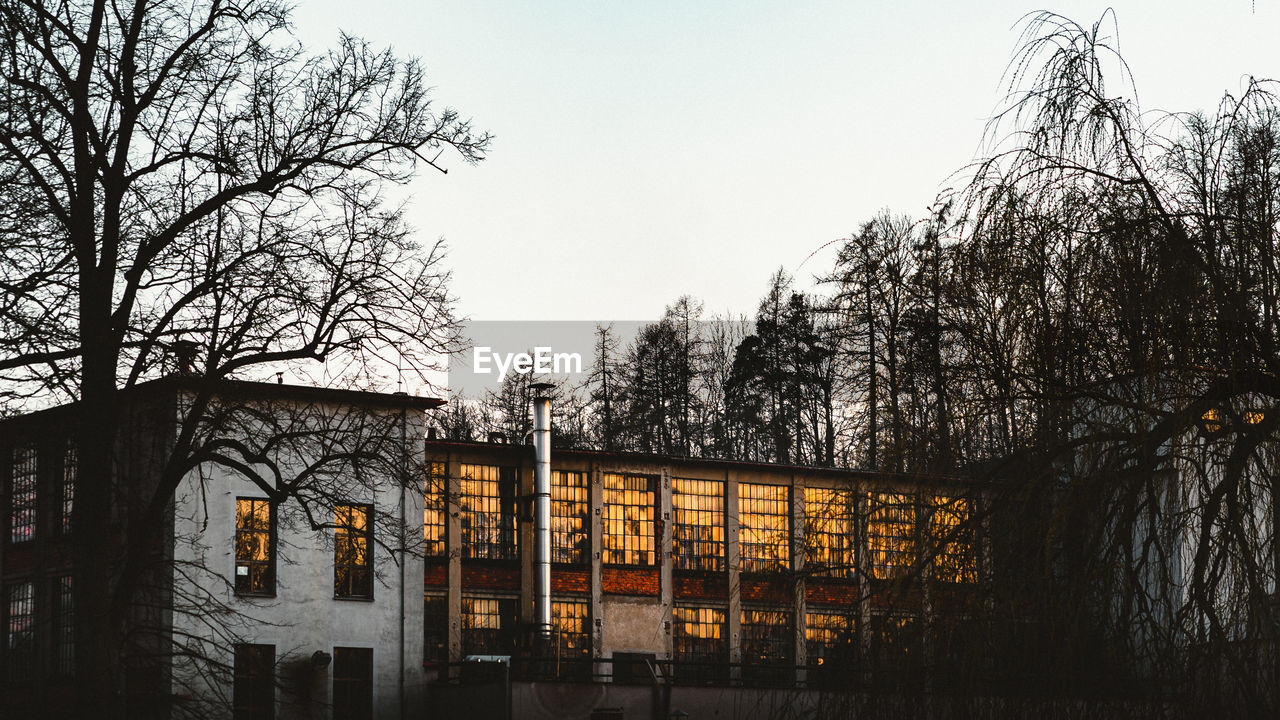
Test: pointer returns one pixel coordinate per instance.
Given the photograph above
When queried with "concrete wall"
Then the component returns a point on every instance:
(304, 616)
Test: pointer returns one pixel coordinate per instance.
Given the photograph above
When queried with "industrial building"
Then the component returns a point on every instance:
(600, 583)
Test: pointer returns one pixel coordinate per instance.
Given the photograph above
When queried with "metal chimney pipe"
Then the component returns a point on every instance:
(542, 509)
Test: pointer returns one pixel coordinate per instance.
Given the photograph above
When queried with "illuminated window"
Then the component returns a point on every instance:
(489, 625)
(764, 535)
(436, 628)
(433, 534)
(64, 628)
(698, 643)
(253, 695)
(1253, 417)
(488, 505)
(70, 470)
(569, 540)
(951, 532)
(829, 537)
(22, 631)
(829, 639)
(255, 547)
(22, 495)
(767, 639)
(891, 534)
(352, 683)
(572, 637)
(628, 519)
(353, 551)
(699, 524)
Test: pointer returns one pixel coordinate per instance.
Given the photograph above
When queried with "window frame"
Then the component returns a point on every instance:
(645, 549)
(752, 562)
(25, 515)
(366, 534)
(702, 660)
(269, 564)
(252, 673)
(501, 540)
(685, 551)
(20, 668)
(830, 538)
(566, 526)
(434, 511)
(881, 565)
(360, 689)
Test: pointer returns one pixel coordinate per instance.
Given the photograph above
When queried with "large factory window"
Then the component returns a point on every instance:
(488, 505)
(489, 625)
(829, 532)
(829, 639)
(768, 646)
(22, 494)
(891, 534)
(433, 529)
(764, 535)
(952, 537)
(698, 644)
(628, 519)
(570, 543)
(699, 524)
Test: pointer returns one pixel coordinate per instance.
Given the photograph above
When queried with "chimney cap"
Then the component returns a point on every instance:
(541, 388)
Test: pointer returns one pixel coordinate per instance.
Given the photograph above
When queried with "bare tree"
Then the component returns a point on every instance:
(182, 180)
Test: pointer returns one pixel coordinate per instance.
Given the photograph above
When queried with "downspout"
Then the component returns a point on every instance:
(542, 512)
(404, 554)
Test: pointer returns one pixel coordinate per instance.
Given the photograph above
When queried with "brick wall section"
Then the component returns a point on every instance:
(766, 590)
(436, 574)
(630, 581)
(700, 587)
(570, 580)
(830, 593)
(490, 577)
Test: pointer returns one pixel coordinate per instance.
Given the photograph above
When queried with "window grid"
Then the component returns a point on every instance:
(764, 534)
(488, 625)
(22, 494)
(698, 532)
(570, 543)
(64, 632)
(829, 532)
(829, 639)
(698, 638)
(953, 541)
(488, 512)
(352, 683)
(891, 534)
(352, 550)
(255, 547)
(22, 631)
(767, 637)
(253, 687)
(433, 525)
(570, 623)
(67, 489)
(436, 628)
(629, 527)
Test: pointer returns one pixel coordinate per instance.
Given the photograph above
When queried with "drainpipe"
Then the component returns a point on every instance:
(542, 510)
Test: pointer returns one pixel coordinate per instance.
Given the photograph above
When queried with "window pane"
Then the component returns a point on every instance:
(489, 625)
(698, 644)
(255, 547)
(22, 631)
(22, 494)
(767, 639)
(891, 534)
(436, 627)
(569, 540)
(70, 471)
(572, 638)
(764, 534)
(629, 502)
(352, 683)
(253, 690)
(951, 533)
(352, 551)
(488, 512)
(433, 528)
(829, 532)
(699, 524)
(829, 639)
(64, 629)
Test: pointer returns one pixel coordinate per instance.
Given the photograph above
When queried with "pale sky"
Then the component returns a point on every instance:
(652, 148)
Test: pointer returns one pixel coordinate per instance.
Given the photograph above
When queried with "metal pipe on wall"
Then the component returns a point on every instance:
(542, 509)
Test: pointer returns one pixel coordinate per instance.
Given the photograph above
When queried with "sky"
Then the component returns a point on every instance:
(645, 150)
